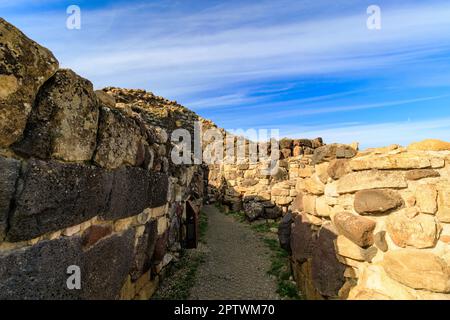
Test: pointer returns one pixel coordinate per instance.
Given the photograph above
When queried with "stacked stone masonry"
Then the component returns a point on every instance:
(86, 181)
(359, 225)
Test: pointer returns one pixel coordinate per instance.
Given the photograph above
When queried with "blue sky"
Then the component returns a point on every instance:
(307, 67)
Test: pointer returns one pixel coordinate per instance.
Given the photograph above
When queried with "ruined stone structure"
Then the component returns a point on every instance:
(359, 225)
(86, 180)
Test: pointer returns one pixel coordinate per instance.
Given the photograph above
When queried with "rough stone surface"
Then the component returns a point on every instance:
(253, 210)
(421, 231)
(39, 272)
(356, 228)
(338, 168)
(377, 201)
(430, 145)
(73, 193)
(385, 162)
(106, 266)
(105, 99)
(347, 248)
(327, 271)
(375, 284)
(311, 185)
(94, 234)
(272, 212)
(380, 241)
(24, 67)
(418, 269)
(373, 179)
(303, 240)
(421, 174)
(426, 198)
(444, 204)
(144, 250)
(322, 208)
(9, 172)
(284, 232)
(135, 189)
(120, 141)
(309, 204)
(297, 204)
(332, 151)
(63, 122)
(160, 248)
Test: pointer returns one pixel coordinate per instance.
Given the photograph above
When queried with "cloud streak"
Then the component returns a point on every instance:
(259, 62)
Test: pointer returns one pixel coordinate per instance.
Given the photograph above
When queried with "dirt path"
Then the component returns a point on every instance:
(236, 262)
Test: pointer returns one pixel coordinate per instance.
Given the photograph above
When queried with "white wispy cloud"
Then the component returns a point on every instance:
(223, 45)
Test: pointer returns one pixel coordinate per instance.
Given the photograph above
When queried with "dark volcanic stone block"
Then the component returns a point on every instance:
(160, 248)
(106, 266)
(160, 189)
(303, 240)
(135, 189)
(284, 232)
(144, 250)
(9, 172)
(327, 271)
(57, 195)
(40, 271)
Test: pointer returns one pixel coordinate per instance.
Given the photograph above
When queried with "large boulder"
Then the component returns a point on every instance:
(338, 168)
(373, 179)
(333, 151)
(120, 140)
(253, 210)
(386, 162)
(24, 67)
(40, 271)
(303, 239)
(418, 269)
(63, 122)
(73, 193)
(420, 231)
(327, 271)
(377, 201)
(135, 189)
(356, 228)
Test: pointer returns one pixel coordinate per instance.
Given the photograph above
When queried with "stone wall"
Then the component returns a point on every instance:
(86, 181)
(254, 188)
(358, 225)
(374, 226)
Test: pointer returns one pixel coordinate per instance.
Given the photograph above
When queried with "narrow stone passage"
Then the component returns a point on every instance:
(236, 262)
